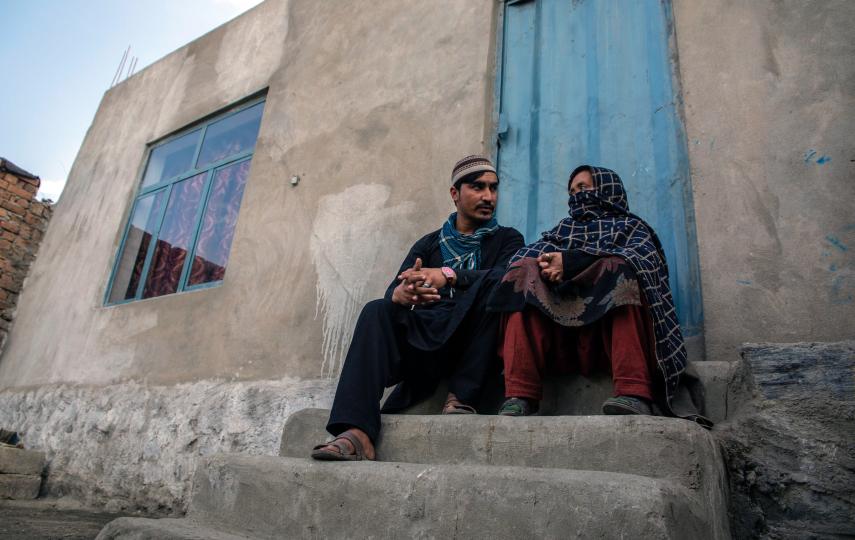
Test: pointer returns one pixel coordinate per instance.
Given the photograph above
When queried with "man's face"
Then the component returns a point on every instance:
(477, 200)
(583, 181)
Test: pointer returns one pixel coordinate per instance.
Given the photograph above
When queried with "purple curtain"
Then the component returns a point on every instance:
(174, 238)
(218, 224)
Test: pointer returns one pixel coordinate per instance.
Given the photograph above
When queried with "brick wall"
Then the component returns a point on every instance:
(23, 221)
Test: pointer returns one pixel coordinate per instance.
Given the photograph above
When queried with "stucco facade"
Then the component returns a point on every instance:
(769, 93)
(370, 104)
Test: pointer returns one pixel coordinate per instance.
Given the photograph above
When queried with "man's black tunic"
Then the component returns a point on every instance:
(454, 337)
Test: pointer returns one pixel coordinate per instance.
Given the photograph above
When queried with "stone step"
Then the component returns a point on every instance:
(19, 461)
(642, 445)
(711, 388)
(20, 486)
(128, 528)
(276, 497)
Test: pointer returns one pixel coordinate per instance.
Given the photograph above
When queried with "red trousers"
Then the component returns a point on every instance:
(621, 342)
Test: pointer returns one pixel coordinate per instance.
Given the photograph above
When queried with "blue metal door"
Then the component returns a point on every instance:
(593, 82)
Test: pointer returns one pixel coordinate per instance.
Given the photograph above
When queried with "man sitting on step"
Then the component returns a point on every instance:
(432, 322)
(593, 293)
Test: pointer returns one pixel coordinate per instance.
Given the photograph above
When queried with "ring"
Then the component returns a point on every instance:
(426, 285)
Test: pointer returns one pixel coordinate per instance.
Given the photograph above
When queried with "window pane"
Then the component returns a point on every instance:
(176, 233)
(230, 136)
(218, 224)
(143, 223)
(171, 159)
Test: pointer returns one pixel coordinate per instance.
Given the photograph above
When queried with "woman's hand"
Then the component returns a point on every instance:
(551, 266)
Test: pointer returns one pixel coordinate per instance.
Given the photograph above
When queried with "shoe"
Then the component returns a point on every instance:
(518, 407)
(455, 406)
(337, 450)
(626, 405)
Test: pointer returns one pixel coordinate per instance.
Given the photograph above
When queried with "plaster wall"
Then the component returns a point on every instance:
(370, 103)
(769, 92)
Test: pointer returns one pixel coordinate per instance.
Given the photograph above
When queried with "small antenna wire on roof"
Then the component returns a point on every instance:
(121, 65)
(128, 72)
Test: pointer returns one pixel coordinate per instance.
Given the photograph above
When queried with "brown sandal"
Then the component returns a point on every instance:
(322, 453)
(454, 406)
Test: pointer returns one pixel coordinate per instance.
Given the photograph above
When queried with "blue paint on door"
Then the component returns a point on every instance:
(594, 82)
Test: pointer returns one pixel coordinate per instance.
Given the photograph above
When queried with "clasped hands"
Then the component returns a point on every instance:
(419, 285)
(551, 266)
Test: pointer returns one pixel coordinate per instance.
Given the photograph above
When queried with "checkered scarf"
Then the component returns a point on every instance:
(600, 223)
(463, 251)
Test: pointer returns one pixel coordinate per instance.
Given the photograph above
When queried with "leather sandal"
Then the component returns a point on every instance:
(455, 406)
(322, 453)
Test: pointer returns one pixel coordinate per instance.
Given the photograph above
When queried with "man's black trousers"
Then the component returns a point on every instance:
(380, 356)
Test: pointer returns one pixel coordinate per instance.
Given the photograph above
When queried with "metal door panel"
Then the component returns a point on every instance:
(593, 81)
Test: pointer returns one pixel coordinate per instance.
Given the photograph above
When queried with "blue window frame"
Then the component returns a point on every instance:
(180, 229)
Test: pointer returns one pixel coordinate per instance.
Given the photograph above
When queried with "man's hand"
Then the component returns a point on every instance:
(551, 266)
(418, 285)
(424, 277)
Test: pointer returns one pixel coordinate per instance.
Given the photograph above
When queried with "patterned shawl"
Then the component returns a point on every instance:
(463, 251)
(601, 224)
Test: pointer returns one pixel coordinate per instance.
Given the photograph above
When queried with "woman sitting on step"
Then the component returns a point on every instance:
(593, 293)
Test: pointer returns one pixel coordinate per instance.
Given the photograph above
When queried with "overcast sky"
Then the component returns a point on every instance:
(58, 57)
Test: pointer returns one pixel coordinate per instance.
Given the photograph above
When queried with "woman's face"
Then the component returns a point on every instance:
(583, 181)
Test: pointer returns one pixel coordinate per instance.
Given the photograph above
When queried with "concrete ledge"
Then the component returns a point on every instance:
(579, 395)
(656, 447)
(722, 388)
(274, 497)
(643, 445)
(161, 529)
(19, 486)
(18, 461)
(564, 394)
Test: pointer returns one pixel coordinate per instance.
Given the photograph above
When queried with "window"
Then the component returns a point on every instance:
(188, 203)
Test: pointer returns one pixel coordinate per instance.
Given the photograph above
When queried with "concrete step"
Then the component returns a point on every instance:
(711, 388)
(20, 486)
(656, 447)
(474, 476)
(275, 497)
(467, 476)
(128, 528)
(19, 461)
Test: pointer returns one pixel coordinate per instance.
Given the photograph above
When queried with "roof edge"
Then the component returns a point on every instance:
(8, 166)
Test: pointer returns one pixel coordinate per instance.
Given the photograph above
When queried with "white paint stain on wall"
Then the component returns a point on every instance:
(354, 234)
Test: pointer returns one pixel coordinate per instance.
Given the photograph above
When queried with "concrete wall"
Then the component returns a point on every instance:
(769, 91)
(370, 103)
